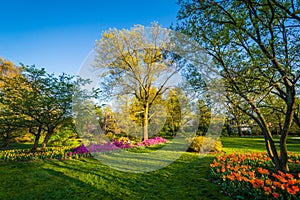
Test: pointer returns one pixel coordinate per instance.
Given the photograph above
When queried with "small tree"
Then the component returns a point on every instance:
(41, 100)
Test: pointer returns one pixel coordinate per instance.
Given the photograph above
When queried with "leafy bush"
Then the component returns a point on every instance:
(109, 135)
(205, 144)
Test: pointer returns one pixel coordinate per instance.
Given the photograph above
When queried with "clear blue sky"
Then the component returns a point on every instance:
(59, 34)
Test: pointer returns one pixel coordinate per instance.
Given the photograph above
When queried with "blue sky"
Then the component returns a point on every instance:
(59, 34)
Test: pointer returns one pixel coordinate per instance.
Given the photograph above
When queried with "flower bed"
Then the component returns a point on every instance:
(69, 152)
(85, 151)
(27, 155)
(252, 176)
(152, 141)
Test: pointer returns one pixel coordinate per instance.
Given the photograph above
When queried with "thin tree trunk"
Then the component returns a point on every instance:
(7, 139)
(173, 127)
(239, 127)
(146, 121)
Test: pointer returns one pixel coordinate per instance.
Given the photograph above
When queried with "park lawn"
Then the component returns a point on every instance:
(186, 178)
(256, 144)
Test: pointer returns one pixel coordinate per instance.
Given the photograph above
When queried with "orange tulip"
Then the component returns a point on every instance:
(252, 174)
(291, 191)
(267, 190)
(277, 184)
(292, 182)
(230, 177)
(259, 182)
(295, 188)
(262, 171)
(268, 182)
(246, 179)
(289, 175)
(223, 169)
(275, 195)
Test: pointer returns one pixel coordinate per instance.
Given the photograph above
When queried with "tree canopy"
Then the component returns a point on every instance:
(133, 62)
(255, 46)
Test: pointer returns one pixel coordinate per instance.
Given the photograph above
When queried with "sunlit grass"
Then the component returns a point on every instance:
(255, 144)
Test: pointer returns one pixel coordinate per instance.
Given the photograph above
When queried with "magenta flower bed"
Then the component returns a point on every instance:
(152, 141)
(110, 146)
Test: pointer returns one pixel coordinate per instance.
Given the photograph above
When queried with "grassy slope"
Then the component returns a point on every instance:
(187, 178)
(89, 179)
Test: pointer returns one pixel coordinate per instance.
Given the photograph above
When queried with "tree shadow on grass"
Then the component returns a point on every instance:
(185, 178)
(43, 183)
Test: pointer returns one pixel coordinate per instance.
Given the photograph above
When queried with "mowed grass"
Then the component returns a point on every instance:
(256, 144)
(186, 178)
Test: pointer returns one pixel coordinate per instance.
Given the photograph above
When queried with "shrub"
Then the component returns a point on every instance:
(204, 144)
(109, 135)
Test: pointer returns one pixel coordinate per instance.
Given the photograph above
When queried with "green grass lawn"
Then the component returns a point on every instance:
(186, 178)
(256, 144)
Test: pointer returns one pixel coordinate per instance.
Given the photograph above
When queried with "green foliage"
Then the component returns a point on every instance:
(204, 117)
(38, 101)
(65, 135)
(204, 144)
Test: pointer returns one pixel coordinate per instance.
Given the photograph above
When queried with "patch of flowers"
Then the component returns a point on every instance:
(152, 141)
(252, 176)
(27, 155)
(71, 152)
(116, 144)
(86, 151)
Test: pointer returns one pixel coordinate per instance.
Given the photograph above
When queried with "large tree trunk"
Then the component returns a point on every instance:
(37, 138)
(296, 119)
(146, 121)
(290, 102)
(228, 129)
(270, 144)
(239, 126)
(47, 137)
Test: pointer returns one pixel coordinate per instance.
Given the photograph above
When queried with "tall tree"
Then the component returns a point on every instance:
(10, 122)
(255, 46)
(133, 62)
